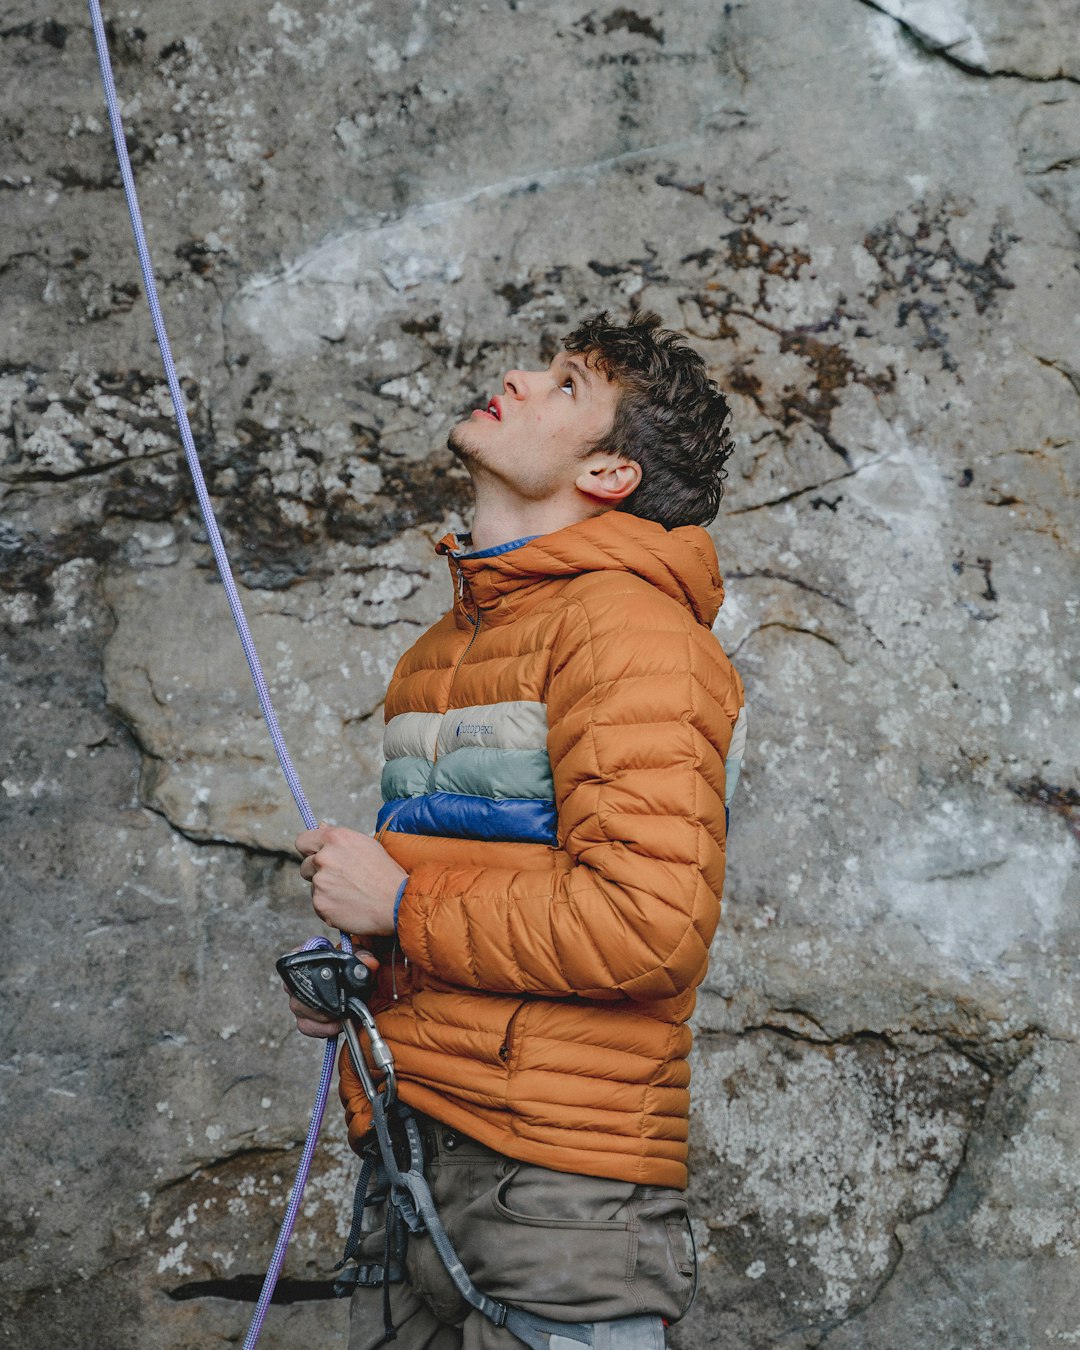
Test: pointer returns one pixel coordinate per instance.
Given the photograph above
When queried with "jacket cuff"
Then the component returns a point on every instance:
(397, 900)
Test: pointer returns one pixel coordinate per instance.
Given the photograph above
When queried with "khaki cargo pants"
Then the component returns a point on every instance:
(572, 1248)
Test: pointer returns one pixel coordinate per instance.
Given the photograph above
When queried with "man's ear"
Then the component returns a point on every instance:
(608, 477)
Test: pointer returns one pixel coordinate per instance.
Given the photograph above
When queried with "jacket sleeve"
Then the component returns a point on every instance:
(639, 720)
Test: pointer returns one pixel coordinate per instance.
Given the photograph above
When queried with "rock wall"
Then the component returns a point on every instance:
(866, 214)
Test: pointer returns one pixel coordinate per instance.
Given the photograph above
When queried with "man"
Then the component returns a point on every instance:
(545, 878)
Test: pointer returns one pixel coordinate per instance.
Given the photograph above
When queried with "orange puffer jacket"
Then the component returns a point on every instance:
(560, 750)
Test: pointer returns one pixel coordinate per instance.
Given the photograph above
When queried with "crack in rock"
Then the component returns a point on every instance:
(916, 19)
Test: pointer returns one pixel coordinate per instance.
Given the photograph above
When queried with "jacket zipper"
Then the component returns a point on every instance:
(457, 664)
(476, 628)
(508, 1034)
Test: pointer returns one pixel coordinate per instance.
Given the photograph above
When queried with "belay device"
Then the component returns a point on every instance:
(338, 983)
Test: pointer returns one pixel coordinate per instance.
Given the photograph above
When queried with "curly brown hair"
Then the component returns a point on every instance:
(670, 417)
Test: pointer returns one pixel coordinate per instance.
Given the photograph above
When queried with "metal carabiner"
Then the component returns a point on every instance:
(380, 1053)
(337, 984)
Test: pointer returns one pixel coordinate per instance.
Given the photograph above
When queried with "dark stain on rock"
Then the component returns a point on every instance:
(125, 44)
(550, 346)
(983, 565)
(749, 250)
(272, 550)
(1063, 802)
(928, 275)
(198, 255)
(413, 493)
(742, 380)
(136, 494)
(48, 31)
(269, 551)
(517, 297)
(140, 485)
(421, 327)
(271, 542)
(82, 178)
(648, 268)
(830, 368)
(174, 53)
(744, 248)
(70, 177)
(622, 20)
(543, 283)
(246, 1289)
(694, 189)
(918, 262)
(28, 560)
(101, 297)
(126, 404)
(263, 381)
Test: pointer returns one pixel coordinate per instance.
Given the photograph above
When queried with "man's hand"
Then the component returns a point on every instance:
(354, 881)
(310, 1021)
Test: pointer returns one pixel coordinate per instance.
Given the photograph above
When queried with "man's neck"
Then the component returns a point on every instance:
(499, 521)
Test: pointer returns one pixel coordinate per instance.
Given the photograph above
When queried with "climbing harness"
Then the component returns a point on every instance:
(336, 982)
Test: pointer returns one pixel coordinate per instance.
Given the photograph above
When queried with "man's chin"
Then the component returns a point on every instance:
(459, 445)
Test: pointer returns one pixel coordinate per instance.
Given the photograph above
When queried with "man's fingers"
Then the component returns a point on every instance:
(311, 1022)
(308, 842)
(324, 1030)
(300, 1009)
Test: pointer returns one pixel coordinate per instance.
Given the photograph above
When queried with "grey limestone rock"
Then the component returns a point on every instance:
(866, 215)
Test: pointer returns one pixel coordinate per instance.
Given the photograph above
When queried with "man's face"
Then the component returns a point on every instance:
(531, 436)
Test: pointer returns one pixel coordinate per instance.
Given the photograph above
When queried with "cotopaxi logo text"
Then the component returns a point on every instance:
(474, 729)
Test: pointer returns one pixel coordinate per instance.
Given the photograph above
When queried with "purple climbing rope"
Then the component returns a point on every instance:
(240, 619)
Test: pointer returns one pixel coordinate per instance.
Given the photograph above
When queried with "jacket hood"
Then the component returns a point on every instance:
(681, 562)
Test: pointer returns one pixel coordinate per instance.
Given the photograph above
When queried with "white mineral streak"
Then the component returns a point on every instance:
(347, 284)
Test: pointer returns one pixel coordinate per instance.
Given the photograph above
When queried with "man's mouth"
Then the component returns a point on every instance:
(492, 410)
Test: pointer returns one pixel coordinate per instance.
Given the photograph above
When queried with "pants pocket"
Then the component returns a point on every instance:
(558, 1244)
(665, 1275)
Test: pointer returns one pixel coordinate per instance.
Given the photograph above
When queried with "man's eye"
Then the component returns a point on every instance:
(567, 384)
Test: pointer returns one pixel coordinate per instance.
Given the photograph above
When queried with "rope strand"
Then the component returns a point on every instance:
(240, 619)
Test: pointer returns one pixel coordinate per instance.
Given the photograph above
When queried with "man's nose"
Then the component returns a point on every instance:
(517, 382)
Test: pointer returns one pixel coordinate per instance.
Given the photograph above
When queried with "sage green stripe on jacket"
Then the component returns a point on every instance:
(407, 776)
(475, 772)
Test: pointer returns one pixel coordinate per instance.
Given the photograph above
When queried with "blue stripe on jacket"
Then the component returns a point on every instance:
(513, 820)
